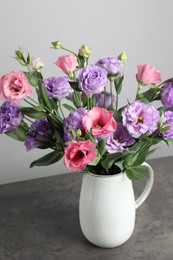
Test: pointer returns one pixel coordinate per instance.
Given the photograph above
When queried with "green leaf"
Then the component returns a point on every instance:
(137, 172)
(109, 159)
(120, 165)
(141, 157)
(164, 129)
(84, 99)
(162, 116)
(56, 124)
(90, 137)
(32, 112)
(43, 97)
(48, 159)
(149, 95)
(75, 86)
(117, 116)
(95, 161)
(168, 141)
(118, 84)
(34, 77)
(101, 146)
(76, 99)
(68, 107)
(137, 154)
(18, 134)
(81, 61)
(53, 103)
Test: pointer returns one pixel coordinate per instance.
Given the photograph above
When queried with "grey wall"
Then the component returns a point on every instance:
(142, 28)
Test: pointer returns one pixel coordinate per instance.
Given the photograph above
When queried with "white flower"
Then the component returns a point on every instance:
(36, 64)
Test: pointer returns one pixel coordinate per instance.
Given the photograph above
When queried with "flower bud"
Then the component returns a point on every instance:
(21, 59)
(36, 64)
(72, 133)
(79, 133)
(123, 57)
(56, 45)
(85, 51)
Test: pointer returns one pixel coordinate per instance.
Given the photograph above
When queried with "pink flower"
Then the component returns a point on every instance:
(100, 120)
(67, 63)
(148, 75)
(14, 87)
(79, 154)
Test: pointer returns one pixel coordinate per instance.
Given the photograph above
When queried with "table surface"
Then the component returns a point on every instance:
(39, 220)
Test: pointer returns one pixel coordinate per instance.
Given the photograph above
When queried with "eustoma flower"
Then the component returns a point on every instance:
(119, 140)
(92, 79)
(39, 134)
(100, 120)
(10, 117)
(140, 118)
(148, 75)
(58, 87)
(167, 94)
(67, 63)
(14, 87)
(113, 66)
(79, 154)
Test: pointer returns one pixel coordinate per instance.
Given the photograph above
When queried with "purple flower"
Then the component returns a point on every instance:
(10, 117)
(74, 122)
(168, 121)
(167, 94)
(39, 135)
(140, 118)
(119, 140)
(113, 66)
(101, 98)
(58, 87)
(92, 79)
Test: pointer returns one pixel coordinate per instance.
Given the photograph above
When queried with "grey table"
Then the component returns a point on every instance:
(39, 220)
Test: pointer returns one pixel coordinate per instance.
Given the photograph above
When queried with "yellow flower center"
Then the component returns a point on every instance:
(140, 119)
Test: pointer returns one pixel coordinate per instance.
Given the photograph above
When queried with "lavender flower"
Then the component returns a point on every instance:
(74, 122)
(101, 98)
(10, 117)
(39, 134)
(167, 94)
(113, 66)
(119, 140)
(58, 87)
(168, 121)
(92, 79)
(140, 118)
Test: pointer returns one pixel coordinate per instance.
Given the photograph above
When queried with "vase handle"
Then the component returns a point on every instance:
(147, 188)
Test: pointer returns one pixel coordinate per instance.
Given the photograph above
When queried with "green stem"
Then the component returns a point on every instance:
(33, 100)
(138, 89)
(142, 149)
(117, 102)
(28, 102)
(104, 104)
(61, 109)
(28, 119)
(111, 93)
(89, 103)
(69, 51)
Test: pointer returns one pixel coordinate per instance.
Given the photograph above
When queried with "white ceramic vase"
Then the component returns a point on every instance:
(107, 207)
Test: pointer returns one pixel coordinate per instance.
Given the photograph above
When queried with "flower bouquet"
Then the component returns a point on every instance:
(77, 115)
